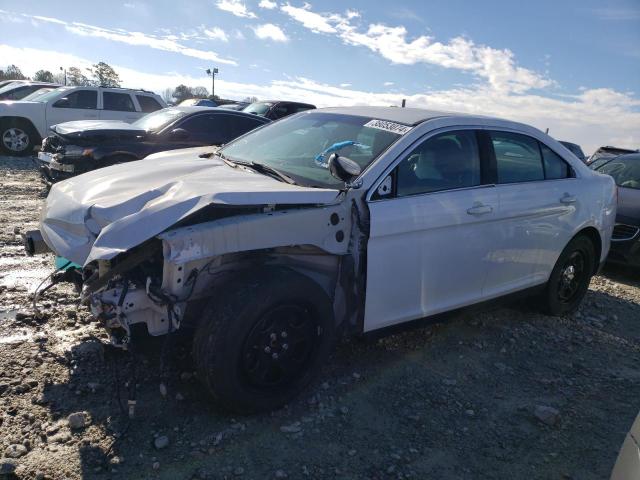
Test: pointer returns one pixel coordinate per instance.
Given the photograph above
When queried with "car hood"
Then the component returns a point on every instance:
(628, 206)
(97, 215)
(7, 107)
(83, 129)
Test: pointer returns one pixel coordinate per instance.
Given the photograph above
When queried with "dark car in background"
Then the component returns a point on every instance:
(575, 149)
(197, 102)
(625, 242)
(608, 152)
(81, 146)
(235, 106)
(275, 109)
(19, 90)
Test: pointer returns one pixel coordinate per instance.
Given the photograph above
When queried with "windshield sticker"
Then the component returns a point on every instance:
(388, 126)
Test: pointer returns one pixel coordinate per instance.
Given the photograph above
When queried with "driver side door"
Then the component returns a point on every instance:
(77, 105)
(430, 231)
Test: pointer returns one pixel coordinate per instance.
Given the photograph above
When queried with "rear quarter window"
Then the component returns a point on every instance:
(148, 104)
(119, 102)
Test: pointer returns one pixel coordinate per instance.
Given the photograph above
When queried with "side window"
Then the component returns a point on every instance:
(554, 166)
(444, 162)
(205, 128)
(82, 99)
(236, 125)
(119, 102)
(279, 111)
(148, 104)
(517, 157)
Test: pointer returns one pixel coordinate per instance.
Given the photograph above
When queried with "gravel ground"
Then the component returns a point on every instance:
(504, 394)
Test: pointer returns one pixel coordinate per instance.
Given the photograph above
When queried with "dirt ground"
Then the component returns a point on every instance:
(504, 394)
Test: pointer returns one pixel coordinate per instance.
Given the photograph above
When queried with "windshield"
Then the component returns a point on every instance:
(52, 94)
(189, 102)
(259, 108)
(10, 86)
(158, 120)
(299, 146)
(624, 170)
(32, 96)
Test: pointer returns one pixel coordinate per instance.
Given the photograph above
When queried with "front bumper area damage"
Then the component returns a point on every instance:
(119, 308)
(153, 289)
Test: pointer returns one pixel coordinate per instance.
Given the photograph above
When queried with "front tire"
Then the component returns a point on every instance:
(263, 339)
(570, 277)
(18, 138)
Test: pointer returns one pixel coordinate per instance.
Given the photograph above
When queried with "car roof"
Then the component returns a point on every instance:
(285, 101)
(407, 116)
(196, 109)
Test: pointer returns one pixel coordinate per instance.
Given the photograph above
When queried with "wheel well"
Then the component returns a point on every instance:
(594, 236)
(5, 121)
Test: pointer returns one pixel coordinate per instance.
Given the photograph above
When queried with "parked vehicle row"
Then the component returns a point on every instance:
(625, 241)
(23, 124)
(329, 222)
(81, 146)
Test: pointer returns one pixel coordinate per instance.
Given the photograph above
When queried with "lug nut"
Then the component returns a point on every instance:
(274, 336)
(267, 349)
(285, 346)
(274, 356)
(283, 334)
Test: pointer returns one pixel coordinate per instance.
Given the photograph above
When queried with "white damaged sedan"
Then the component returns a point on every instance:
(339, 221)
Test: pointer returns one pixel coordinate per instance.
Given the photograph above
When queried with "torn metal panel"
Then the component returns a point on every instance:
(327, 228)
(100, 214)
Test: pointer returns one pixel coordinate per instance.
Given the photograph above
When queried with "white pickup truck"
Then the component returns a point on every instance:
(23, 124)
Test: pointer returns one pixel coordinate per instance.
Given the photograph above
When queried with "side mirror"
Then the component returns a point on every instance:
(62, 103)
(343, 168)
(179, 134)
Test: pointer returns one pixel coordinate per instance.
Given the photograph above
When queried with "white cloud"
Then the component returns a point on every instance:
(352, 14)
(313, 21)
(167, 43)
(388, 84)
(216, 33)
(236, 7)
(497, 67)
(268, 4)
(592, 118)
(269, 31)
(345, 85)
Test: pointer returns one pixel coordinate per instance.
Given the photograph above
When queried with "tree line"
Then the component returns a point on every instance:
(101, 74)
(104, 75)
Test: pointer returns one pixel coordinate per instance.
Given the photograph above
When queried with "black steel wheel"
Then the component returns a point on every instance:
(570, 278)
(263, 339)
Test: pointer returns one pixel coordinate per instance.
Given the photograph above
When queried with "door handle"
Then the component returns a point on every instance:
(480, 209)
(568, 198)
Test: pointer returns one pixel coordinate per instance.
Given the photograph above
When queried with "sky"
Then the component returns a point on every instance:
(570, 66)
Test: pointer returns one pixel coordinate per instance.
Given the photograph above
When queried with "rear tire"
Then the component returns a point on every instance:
(263, 339)
(18, 138)
(570, 277)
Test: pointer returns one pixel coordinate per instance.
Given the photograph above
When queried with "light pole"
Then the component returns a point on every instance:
(213, 81)
(65, 74)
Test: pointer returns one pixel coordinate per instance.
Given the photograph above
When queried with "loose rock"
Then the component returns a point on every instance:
(161, 442)
(15, 451)
(547, 415)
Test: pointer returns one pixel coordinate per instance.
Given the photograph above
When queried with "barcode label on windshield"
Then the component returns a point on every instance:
(388, 126)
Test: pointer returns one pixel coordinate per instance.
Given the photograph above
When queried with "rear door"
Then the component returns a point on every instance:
(233, 126)
(538, 204)
(431, 231)
(118, 105)
(203, 129)
(80, 104)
